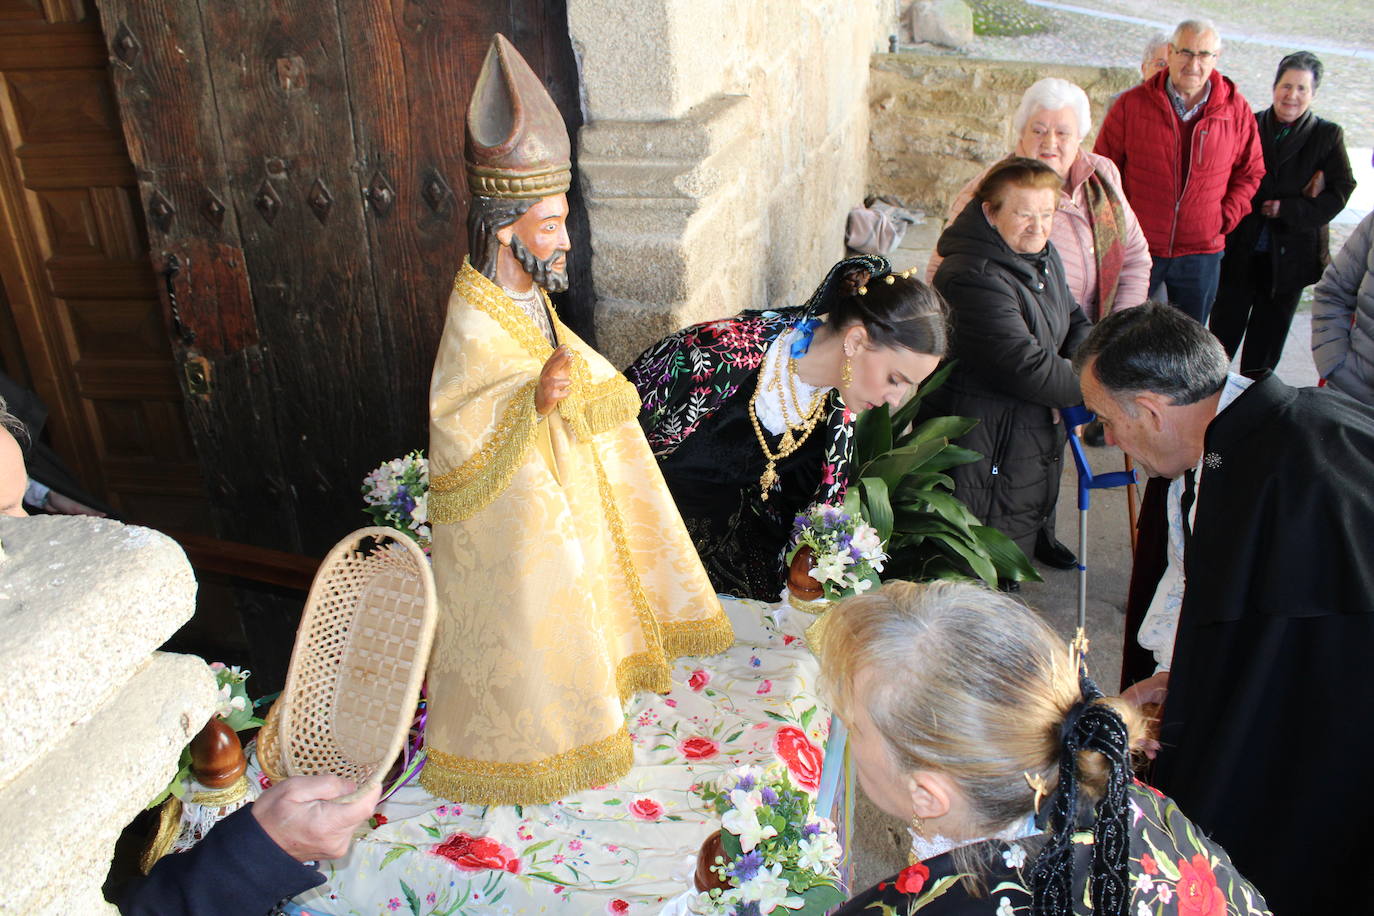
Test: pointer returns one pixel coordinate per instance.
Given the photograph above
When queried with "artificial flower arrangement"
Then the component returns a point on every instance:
(775, 851)
(235, 708)
(397, 494)
(847, 553)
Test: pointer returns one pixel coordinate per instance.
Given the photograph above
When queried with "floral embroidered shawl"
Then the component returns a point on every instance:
(683, 379)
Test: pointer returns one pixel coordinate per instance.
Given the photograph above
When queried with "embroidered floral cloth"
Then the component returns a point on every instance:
(629, 847)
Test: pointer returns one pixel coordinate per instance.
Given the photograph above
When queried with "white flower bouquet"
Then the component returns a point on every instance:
(396, 496)
(847, 551)
(775, 851)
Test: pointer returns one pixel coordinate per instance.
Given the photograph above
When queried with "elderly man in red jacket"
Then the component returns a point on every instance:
(1189, 153)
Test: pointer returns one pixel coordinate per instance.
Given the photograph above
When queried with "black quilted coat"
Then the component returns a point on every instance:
(1015, 325)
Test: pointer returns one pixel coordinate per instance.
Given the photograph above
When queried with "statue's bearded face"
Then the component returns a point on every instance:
(539, 242)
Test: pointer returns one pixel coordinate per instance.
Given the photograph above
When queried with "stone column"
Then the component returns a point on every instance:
(725, 143)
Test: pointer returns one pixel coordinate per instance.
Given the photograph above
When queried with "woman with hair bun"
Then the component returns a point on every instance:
(752, 417)
(970, 719)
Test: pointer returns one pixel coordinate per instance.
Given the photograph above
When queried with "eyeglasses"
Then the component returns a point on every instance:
(1205, 56)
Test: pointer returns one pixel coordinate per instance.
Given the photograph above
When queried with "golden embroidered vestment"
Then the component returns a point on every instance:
(566, 580)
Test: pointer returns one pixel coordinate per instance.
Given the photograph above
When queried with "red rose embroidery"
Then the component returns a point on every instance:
(912, 878)
(698, 748)
(1148, 865)
(617, 906)
(646, 809)
(804, 760)
(698, 679)
(1198, 894)
(478, 853)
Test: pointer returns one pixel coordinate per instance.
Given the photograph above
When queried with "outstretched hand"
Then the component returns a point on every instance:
(302, 816)
(555, 381)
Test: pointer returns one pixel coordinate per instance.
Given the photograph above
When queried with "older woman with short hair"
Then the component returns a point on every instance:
(970, 720)
(1015, 325)
(1280, 247)
(1106, 258)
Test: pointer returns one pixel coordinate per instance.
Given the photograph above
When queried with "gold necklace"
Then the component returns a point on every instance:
(793, 434)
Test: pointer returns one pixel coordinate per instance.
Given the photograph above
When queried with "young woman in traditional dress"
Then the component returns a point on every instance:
(752, 417)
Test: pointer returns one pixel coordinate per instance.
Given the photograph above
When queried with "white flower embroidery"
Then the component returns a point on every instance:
(1014, 855)
(1004, 907)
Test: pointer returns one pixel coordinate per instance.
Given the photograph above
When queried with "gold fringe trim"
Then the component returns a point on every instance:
(463, 492)
(698, 637)
(815, 634)
(480, 782)
(591, 408)
(640, 672)
(168, 829)
(169, 818)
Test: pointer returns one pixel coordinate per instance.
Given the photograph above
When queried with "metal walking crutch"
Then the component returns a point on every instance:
(1075, 417)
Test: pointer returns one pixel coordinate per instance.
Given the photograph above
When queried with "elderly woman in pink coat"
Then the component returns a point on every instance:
(1106, 259)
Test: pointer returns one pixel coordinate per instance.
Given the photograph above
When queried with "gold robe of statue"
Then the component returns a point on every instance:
(566, 580)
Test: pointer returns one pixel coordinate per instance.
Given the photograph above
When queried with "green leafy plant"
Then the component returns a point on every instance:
(903, 491)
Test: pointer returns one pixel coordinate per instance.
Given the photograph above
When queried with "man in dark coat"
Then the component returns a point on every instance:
(1014, 325)
(1262, 737)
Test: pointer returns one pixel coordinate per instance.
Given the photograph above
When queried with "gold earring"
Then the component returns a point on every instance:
(1038, 786)
(918, 827)
(847, 372)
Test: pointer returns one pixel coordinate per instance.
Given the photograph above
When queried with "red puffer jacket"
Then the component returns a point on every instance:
(1141, 134)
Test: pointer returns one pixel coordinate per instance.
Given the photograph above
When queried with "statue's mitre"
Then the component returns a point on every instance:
(517, 142)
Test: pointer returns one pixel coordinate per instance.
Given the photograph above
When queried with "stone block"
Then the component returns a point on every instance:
(937, 121)
(942, 22)
(723, 185)
(65, 813)
(82, 602)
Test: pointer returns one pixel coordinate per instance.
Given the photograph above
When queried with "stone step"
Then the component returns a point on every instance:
(65, 813)
(83, 603)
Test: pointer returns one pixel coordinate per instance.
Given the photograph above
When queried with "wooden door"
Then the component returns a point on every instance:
(300, 165)
(81, 321)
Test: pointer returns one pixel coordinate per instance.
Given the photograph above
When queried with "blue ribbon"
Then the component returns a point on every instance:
(806, 329)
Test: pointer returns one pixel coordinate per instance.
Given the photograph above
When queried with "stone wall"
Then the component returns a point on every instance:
(724, 144)
(94, 719)
(938, 120)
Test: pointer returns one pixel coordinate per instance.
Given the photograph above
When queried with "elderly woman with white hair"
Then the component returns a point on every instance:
(969, 719)
(1106, 258)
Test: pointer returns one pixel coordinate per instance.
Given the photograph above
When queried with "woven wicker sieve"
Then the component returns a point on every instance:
(360, 656)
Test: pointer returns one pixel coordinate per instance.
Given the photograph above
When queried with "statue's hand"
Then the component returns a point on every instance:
(555, 381)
